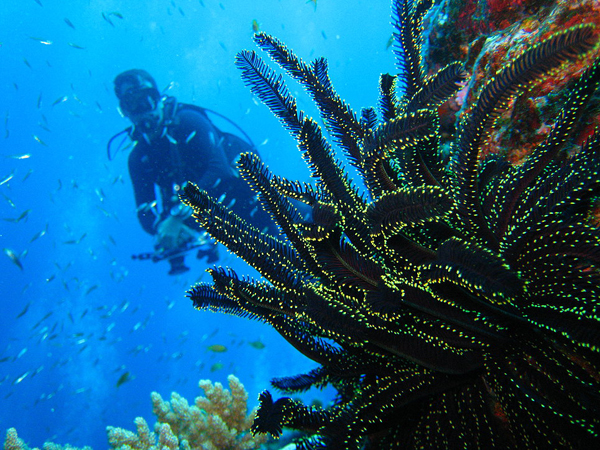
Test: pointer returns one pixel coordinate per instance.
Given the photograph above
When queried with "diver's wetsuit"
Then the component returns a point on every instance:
(190, 149)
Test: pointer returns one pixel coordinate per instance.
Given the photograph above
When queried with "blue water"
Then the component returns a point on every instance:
(108, 313)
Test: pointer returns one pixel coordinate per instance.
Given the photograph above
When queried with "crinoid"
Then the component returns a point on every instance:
(453, 302)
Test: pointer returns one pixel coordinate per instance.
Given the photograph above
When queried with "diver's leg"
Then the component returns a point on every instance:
(177, 266)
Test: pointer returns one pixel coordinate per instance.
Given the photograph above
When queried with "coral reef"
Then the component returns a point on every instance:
(452, 297)
(14, 442)
(217, 421)
(487, 42)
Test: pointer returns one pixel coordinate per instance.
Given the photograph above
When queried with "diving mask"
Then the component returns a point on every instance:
(138, 102)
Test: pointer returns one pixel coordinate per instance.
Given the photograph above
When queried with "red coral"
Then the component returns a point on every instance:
(465, 20)
(501, 7)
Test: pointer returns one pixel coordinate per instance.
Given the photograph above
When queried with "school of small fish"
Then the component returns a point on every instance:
(85, 314)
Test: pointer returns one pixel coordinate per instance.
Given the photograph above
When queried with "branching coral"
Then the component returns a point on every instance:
(217, 421)
(14, 442)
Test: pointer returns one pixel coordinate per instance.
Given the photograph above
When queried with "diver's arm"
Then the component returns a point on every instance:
(145, 196)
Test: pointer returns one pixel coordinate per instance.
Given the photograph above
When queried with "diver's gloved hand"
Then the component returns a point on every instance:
(172, 233)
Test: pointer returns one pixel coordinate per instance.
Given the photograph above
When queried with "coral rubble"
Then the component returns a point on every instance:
(452, 297)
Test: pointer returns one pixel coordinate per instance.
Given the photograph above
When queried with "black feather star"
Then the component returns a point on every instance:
(452, 304)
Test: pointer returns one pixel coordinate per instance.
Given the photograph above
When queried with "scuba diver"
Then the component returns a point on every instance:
(172, 143)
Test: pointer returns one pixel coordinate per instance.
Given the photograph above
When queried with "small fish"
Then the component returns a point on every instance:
(60, 100)
(39, 101)
(217, 348)
(314, 2)
(78, 47)
(100, 193)
(22, 313)
(258, 345)
(171, 139)
(39, 234)
(22, 216)
(7, 178)
(10, 202)
(75, 241)
(124, 378)
(23, 156)
(42, 319)
(216, 366)
(22, 377)
(116, 14)
(44, 127)
(39, 3)
(28, 65)
(255, 26)
(13, 257)
(27, 175)
(190, 137)
(39, 141)
(41, 41)
(145, 207)
(390, 42)
(68, 22)
(106, 18)
(105, 212)
(91, 289)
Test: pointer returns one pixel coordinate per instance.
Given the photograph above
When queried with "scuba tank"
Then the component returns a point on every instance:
(232, 143)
